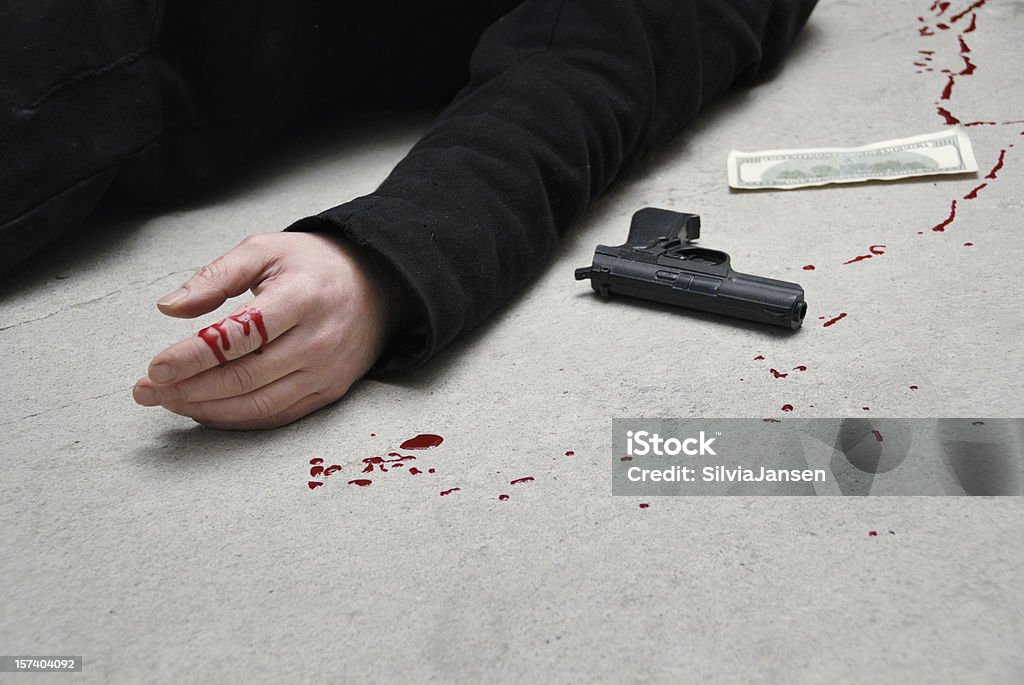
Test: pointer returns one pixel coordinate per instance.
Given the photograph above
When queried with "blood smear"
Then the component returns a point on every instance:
(422, 441)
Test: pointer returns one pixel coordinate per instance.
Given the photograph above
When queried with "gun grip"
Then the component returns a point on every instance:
(651, 225)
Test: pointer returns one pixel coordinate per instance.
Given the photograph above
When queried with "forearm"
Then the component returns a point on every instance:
(563, 97)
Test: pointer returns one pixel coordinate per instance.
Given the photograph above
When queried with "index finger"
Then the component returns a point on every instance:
(247, 330)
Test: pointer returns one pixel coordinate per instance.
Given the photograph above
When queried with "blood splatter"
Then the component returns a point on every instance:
(968, 244)
(974, 193)
(373, 435)
(787, 407)
(759, 357)
(422, 442)
(316, 471)
(361, 482)
(503, 498)
(334, 468)
(431, 470)
(914, 387)
(877, 434)
(517, 481)
(414, 471)
(945, 113)
(809, 267)
(313, 485)
(777, 374)
(625, 458)
(450, 491)
(644, 505)
(316, 460)
(800, 367)
(569, 453)
(998, 166)
(974, 24)
(859, 258)
(948, 90)
(873, 533)
(876, 249)
(866, 408)
(216, 336)
(978, 4)
(842, 315)
(940, 227)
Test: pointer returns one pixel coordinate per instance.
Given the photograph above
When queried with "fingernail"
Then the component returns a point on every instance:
(174, 298)
(161, 373)
(145, 395)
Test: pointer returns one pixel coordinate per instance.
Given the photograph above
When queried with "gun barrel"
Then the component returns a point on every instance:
(744, 296)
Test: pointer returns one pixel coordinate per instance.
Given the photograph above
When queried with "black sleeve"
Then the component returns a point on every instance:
(564, 95)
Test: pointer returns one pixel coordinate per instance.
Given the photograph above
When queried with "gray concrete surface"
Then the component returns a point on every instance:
(165, 552)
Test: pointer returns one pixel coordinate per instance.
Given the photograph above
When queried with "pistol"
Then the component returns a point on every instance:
(659, 263)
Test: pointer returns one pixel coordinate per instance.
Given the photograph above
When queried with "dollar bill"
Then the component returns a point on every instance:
(945, 152)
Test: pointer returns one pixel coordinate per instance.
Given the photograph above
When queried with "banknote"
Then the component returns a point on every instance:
(945, 152)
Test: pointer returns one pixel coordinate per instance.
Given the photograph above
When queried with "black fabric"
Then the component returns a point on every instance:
(564, 96)
(157, 98)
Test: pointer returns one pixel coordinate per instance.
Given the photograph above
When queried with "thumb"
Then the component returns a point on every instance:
(229, 275)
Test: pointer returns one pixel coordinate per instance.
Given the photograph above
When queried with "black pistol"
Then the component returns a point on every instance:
(659, 263)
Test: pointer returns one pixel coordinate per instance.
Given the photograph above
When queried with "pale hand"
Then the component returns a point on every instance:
(326, 310)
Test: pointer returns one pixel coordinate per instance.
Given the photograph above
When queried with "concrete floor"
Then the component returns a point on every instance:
(165, 552)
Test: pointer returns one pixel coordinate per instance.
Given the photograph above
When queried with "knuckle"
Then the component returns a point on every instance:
(238, 379)
(261, 407)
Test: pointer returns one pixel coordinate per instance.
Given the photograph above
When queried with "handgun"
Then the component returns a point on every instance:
(659, 263)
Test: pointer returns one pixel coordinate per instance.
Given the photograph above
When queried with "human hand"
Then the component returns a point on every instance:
(321, 316)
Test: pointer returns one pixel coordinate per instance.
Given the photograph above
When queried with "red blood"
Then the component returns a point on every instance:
(361, 482)
(625, 458)
(431, 470)
(758, 357)
(981, 123)
(927, 52)
(998, 166)
(422, 442)
(866, 408)
(772, 420)
(940, 227)
(969, 66)
(859, 258)
(974, 193)
(569, 453)
(216, 336)
(876, 249)
(974, 24)
(316, 471)
(517, 481)
(920, 64)
(398, 465)
(787, 407)
(777, 374)
(414, 471)
(944, 27)
(944, 113)
(334, 468)
(968, 244)
(644, 505)
(317, 460)
(878, 436)
(978, 423)
(828, 323)
(926, 31)
(801, 367)
(948, 90)
(448, 492)
(503, 498)
(913, 387)
(873, 533)
(809, 267)
(978, 4)
(313, 485)
(373, 435)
